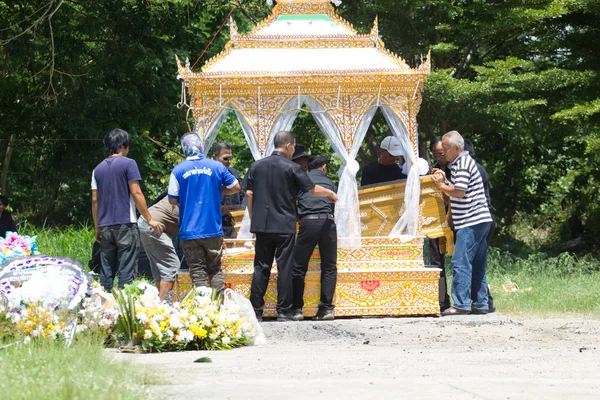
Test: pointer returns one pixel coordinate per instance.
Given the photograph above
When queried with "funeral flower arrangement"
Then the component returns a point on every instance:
(45, 297)
(198, 322)
(15, 245)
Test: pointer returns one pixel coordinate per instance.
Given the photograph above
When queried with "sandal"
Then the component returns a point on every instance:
(455, 311)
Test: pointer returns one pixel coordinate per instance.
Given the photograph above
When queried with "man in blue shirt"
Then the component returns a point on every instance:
(196, 185)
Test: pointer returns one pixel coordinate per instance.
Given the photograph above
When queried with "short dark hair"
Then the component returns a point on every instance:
(4, 200)
(317, 161)
(219, 147)
(282, 138)
(114, 140)
(434, 142)
(470, 148)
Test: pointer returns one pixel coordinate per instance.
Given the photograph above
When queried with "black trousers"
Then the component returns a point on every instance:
(119, 254)
(312, 232)
(271, 246)
(436, 259)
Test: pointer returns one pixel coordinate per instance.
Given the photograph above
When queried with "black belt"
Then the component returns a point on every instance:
(318, 216)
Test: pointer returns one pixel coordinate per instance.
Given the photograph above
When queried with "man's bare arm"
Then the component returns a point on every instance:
(173, 202)
(233, 190)
(140, 204)
(97, 233)
(249, 195)
(439, 178)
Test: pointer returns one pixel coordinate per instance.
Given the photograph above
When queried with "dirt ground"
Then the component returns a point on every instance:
(464, 357)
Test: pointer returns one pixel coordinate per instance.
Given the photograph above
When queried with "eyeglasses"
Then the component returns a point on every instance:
(228, 158)
(436, 154)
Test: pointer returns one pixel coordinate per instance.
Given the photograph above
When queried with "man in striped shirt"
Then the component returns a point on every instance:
(472, 220)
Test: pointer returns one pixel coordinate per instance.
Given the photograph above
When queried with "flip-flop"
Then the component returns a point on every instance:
(455, 311)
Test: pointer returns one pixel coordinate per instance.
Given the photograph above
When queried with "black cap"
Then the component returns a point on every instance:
(299, 151)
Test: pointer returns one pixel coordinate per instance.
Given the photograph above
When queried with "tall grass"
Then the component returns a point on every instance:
(547, 285)
(72, 242)
(48, 370)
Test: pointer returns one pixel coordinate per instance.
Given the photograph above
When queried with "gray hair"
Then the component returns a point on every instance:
(455, 139)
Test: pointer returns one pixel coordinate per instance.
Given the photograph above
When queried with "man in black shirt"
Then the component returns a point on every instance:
(222, 152)
(316, 227)
(272, 186)
(386, 168)
(436, 259)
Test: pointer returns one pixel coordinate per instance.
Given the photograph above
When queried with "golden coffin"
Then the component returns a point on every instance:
(382, 205)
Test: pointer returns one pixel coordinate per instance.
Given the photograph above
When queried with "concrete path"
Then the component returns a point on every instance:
(464, 357)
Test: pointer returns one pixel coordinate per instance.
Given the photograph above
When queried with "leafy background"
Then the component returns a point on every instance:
(519, 78)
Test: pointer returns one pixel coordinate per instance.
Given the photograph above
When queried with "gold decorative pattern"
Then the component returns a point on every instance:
(407, 292)
(305, 42)
(385, 276)
(261, 115)
(346, 111)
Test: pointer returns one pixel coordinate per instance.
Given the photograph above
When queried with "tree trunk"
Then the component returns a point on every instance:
(5, 165)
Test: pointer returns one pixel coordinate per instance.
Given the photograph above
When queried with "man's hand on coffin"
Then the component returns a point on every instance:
(439, 178)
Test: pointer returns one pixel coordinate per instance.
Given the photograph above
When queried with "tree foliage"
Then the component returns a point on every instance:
(518, 77)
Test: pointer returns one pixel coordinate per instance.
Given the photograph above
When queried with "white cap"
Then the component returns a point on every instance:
(393, 146)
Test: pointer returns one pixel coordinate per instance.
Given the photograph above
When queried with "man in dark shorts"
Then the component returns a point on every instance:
(272, 186)
(116, 193)
(160, 250)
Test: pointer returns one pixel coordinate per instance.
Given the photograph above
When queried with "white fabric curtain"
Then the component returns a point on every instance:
(347, 209)
(283, 123)
(213, 131)
(407, 224)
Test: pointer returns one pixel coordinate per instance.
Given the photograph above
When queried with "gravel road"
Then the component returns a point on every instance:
(463, 357)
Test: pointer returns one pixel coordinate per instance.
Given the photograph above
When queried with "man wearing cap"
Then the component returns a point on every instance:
(300, 156)
(196, 185)
(317, 226)
(386, 168)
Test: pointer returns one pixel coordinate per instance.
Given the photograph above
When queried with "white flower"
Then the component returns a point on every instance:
(158, 317)
(213, 336)
(170, 333)
(15, 318)
(147, 334)
(143, 285)
(175, 322)
(142, 317)
(193, 319)
(225, 340)
(185, 336)
(27, 339)
(35, 333)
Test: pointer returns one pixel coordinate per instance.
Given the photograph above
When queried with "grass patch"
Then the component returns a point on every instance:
(547, 285)
(549, 295)
(72, 242)
(48, 370)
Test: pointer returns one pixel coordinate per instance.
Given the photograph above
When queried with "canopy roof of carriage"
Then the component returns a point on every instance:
(305, 54)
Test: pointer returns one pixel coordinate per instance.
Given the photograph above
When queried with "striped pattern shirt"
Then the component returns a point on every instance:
(472, 209)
